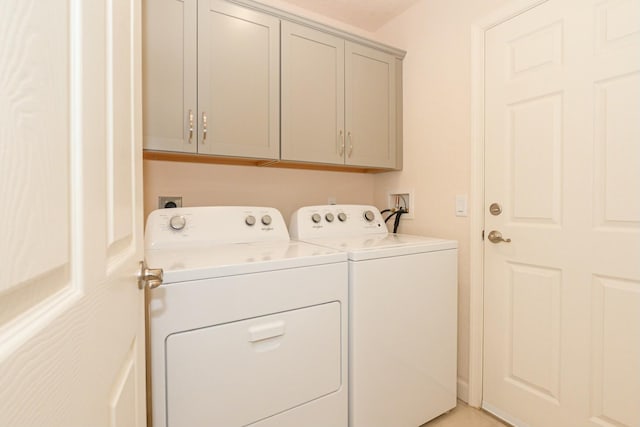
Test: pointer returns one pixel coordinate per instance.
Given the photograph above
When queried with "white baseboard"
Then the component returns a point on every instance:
(503, 415)
(463, 390)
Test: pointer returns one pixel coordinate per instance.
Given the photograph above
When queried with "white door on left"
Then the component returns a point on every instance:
(71, 315)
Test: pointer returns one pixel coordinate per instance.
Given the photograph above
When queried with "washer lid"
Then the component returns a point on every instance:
(365, 247)
(203, 262)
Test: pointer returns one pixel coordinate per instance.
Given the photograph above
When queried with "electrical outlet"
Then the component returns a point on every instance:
(169, 202)
(402, 199)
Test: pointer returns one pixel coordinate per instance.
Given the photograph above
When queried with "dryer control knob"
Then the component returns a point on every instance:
(177, 222)
(369, 216)
(250, 220)
(266, 220)
(329, 217)
(342, 216)
(316, 218)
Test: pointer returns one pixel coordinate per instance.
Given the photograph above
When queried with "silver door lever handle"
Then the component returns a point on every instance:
(149, 277)
(496, 237)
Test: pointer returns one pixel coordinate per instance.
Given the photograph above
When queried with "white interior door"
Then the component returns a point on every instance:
(562, 159)
(72, 347)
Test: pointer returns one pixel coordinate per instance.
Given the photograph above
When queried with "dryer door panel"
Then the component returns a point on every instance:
(242, 372)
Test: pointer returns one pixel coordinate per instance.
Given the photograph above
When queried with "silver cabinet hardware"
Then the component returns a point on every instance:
(190, 126)
(204, 127)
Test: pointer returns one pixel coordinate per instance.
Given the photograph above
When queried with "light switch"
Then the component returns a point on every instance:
(461, 205)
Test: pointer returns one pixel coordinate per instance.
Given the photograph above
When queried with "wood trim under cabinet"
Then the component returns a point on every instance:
(239, 161)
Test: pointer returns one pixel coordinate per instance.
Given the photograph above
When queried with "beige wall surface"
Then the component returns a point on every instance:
(437, 126)
(285, 189)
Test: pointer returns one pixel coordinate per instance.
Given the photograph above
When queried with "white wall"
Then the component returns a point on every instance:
(437, 94)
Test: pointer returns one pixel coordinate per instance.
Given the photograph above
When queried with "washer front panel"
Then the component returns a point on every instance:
(405, 357)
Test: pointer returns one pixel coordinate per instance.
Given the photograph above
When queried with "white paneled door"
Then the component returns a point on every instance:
(562, 182)
(72, 350)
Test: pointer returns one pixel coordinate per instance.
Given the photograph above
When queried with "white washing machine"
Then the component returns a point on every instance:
(402, 317)
(248, 327)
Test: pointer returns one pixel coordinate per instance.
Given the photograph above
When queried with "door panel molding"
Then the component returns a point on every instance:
(40, 282)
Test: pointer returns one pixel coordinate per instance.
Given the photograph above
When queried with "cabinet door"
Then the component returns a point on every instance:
(238, 81)
(370, 97)
(170, 75)
(312, 95)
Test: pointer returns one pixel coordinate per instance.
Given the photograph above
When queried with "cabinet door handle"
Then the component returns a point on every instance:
(341, 147)
(190, 126)
(204, 127)
(350, 143)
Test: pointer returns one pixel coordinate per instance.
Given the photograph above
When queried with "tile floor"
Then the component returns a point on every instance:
(465, 416)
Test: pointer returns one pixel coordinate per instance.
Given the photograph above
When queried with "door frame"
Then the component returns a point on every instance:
(476, 227)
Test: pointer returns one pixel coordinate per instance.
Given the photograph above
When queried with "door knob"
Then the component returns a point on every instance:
(149, 277)
(496, 237)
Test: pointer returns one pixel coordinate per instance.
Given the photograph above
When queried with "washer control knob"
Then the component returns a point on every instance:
(177, 222)
(316, 218)
(266, 220)
(369, 216)
(342, 216)
(250, 220)
(329, 217)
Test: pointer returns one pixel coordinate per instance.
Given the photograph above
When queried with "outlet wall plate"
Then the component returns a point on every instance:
(169, 202)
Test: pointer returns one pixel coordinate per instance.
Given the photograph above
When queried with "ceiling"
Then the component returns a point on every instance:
(369, 15)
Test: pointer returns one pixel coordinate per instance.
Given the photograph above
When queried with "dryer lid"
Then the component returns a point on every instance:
(203, 262)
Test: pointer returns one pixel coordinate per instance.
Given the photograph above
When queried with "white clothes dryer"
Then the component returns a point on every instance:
(248, 327)
(402, 315)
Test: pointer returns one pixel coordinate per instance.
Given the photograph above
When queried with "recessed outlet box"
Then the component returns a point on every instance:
(402, 199)
(169, 202)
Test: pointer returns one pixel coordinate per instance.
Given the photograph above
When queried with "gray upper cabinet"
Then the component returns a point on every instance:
(338, 100)
(238, 81)
(370, 112)
(241, 79)
(312, 95)
(215, 90)
(169, 75)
